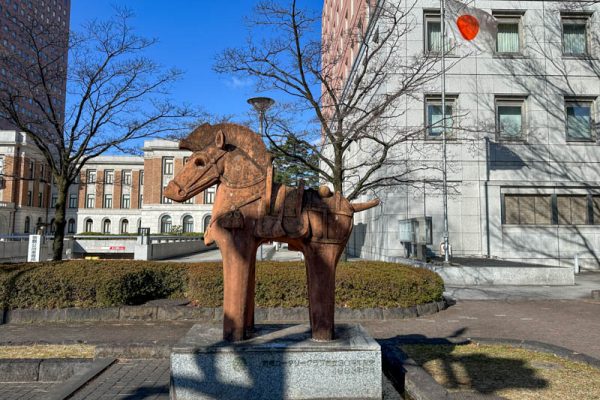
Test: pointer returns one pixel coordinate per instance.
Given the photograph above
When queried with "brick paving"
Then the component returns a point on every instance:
(129, 380)
(24, 391)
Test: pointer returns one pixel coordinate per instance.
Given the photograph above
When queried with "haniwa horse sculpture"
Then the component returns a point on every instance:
(250, 209)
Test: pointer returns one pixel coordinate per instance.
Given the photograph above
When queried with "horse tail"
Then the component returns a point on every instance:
(358, 207)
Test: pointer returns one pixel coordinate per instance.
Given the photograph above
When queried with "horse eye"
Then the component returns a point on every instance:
(199, 162)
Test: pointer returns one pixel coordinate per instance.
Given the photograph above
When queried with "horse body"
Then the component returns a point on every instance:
(250, 209)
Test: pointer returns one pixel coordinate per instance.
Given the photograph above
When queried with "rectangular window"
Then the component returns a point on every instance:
(209, 195)
(141, 178)
(508, 40)
(167, 166)
(527, 209)
(31, 169)
(1, 165)
(189, 201)
(107, 201)
(126, 178)
(579, 120)
(53, 201)
(433, 33)
(91, 176)
(434, 118)
(90, 201)
(166, 200)
(509, 118)
(29, 198)
(574, 35)
(73, 201)
(572, 210)
(109, 177)
(126, 201)
(40, 199)
(141, 199)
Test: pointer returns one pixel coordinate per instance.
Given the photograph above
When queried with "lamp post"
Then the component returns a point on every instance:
(261, 105)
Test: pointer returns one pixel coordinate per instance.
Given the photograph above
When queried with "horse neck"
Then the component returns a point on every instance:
(227, 196)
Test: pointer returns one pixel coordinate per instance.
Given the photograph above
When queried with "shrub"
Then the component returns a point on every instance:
(103, 283)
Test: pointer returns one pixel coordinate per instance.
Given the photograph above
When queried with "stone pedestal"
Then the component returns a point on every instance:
(278, 363)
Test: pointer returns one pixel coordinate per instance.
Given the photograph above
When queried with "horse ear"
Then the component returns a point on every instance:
(220, 139)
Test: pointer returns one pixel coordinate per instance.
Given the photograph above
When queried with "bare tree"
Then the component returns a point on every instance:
(115, 95)
(346, 113)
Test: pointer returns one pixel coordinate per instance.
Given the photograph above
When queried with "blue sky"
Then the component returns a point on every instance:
(190, 34)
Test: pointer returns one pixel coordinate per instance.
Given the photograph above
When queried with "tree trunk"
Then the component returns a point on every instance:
(59, 219)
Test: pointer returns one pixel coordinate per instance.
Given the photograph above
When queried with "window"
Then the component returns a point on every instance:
(141, 178)
(52, 225)
(206, 223)
(579, 120)
(508, 39)
(165, 199)
(433, 33)
(1, 165)
(27, 226)
(91, 176)
(106, 226)
(53, 201)
(572, 210)
(167, 166)
(89, 225)
(433, 116)
(574, 35)
(71, 226)
(189, 201)
(188, 224)
(29, 198)
(509, 118)
(40, 199)
(141, 199)
(527, 209)
(124, 226)
(126, 178)
(209, 195)
(31, 169)
(165, 224)
(90, 201)
(73, 201)
(107, 201)
(125, 201)
(109, 177)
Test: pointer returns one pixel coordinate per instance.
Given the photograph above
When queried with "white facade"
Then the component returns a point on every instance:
(532, 196)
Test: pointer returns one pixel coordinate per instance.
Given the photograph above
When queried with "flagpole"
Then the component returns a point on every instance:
(444, 161)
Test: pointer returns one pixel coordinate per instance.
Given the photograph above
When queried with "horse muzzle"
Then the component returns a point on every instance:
(174, 192)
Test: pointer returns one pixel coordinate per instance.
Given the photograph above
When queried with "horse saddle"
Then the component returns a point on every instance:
(281, 211)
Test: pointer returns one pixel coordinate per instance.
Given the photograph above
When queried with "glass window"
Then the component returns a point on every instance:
(167, 166)
(40, 199)
(89, 225)
(579, 120)
(572, 210)
(109, 177)
(107, 201)
(106, 226)
(71, 226)
(27, 226)
(434, 117)
(124, 226)
(433, 33)
(73, 201)
(165, 224)
(209, 195)
(126, 201)
(509, 118)
(574, 36)
(126, 177)
(188, 224)
(1, 165)
(91, 176)
(141, 178)
(53, 201)
(508, 40)
(527, 209)
(165, 199)
(90, 201)
(29, 198)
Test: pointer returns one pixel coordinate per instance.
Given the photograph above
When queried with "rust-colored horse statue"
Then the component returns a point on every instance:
(250, 209)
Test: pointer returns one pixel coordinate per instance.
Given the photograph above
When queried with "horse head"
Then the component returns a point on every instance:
(222, 153)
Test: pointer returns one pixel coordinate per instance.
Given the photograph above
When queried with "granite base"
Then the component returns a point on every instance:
(277, 363)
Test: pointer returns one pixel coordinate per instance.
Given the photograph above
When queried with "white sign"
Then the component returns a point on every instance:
(35, 248)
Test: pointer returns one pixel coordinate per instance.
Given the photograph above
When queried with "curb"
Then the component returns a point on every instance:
(77, 381)
(207, 314)
(411, 379)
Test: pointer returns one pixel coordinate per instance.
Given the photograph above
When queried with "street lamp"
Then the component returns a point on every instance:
(261, 105)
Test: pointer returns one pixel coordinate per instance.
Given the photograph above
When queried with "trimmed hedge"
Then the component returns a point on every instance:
(86, 283)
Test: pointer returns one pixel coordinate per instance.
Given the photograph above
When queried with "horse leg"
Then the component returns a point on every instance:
(321, 260)
(239, 256)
